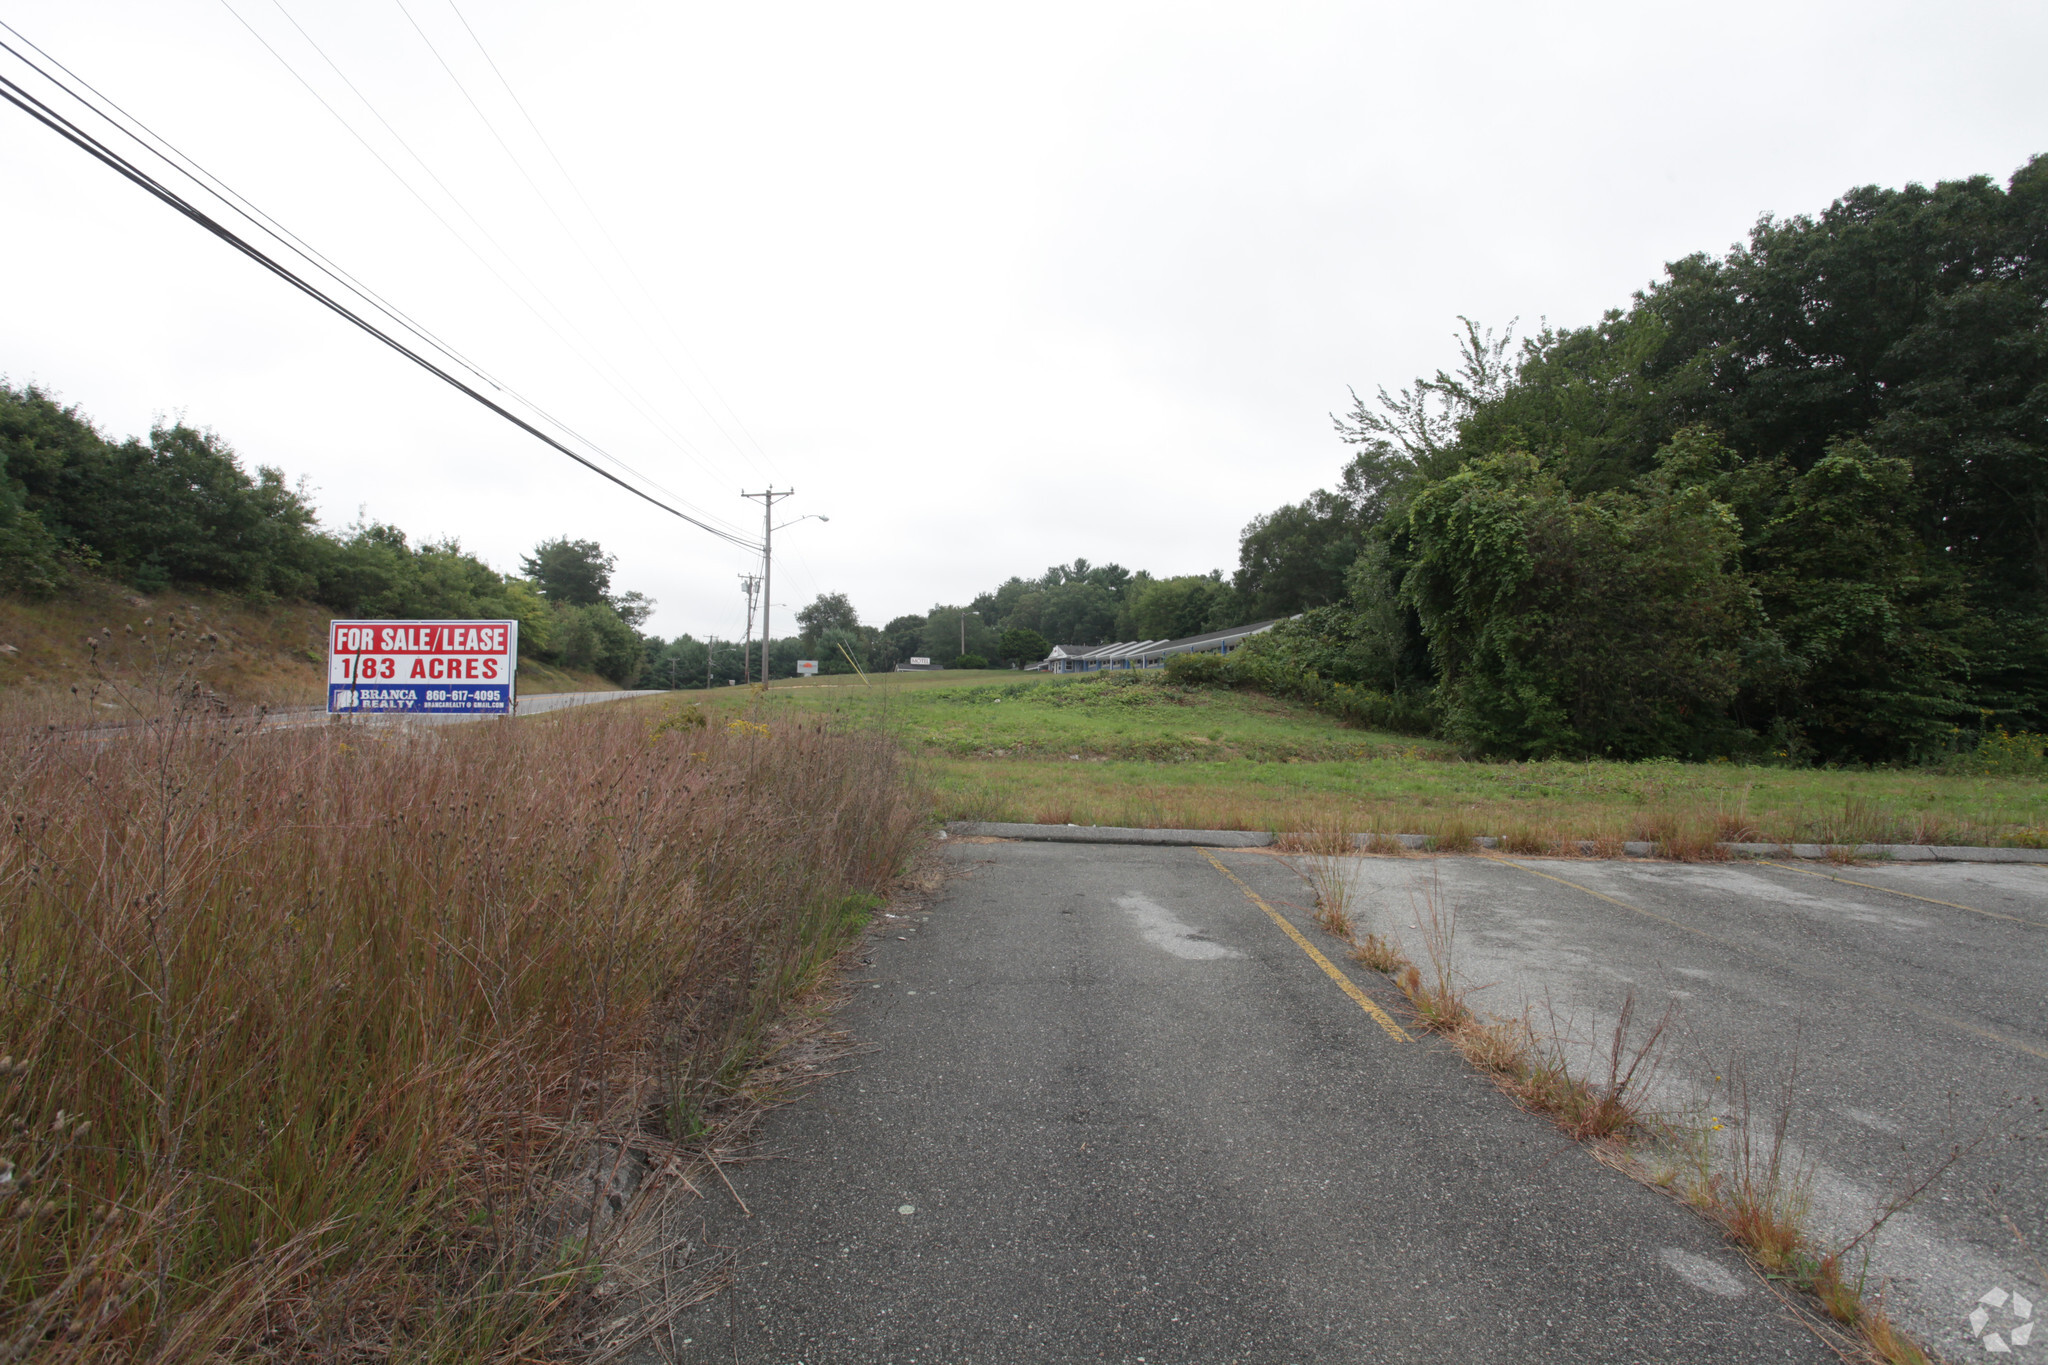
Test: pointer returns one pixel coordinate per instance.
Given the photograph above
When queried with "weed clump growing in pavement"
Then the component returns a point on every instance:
(1379, 954)
(1325, 865)
(1763, 1195)
(1437, 999)
(312, 1031)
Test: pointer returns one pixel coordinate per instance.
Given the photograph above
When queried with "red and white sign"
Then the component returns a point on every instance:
(443, 667)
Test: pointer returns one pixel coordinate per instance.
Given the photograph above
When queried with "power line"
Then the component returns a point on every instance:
(42, 113)
(627, 262)
(632, 398)
(162, 149)
(548, 203)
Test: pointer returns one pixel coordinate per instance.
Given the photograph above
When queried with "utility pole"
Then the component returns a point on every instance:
(768, 501)
(750, 584)
(710, 649)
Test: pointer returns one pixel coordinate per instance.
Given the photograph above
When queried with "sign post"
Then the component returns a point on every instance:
(444, 668)
(807, 668)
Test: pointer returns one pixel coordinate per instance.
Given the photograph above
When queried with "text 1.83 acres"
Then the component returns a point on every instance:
(442, 667)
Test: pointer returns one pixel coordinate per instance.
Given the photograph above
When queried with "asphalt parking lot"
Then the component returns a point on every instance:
(1912, 998)
(1114, 1107)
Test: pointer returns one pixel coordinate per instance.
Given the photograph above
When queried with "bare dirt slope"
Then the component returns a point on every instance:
(269, 654)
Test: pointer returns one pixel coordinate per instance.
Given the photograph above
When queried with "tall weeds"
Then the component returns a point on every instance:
(307, 1030)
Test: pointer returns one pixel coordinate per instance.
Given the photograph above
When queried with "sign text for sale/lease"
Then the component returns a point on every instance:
(440, 667)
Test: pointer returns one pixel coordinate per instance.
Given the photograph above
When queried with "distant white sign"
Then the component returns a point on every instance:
(442, 667)
(807, 667)
(922, 663)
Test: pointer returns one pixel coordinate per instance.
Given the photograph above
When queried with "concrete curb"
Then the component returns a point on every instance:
(1240, 838)
(1111, 834)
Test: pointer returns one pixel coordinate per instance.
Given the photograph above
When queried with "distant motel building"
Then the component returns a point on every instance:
(1145, 653)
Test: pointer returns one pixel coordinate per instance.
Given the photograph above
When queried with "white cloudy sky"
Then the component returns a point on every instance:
(991, 286)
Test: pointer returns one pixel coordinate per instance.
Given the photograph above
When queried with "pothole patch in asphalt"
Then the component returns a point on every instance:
(1703, 1274)
(1164, 929)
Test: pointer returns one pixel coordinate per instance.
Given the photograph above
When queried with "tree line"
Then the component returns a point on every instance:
(180, 509)
(1792, 501)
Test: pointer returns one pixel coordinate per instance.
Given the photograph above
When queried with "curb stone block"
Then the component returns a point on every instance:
(1244, 838)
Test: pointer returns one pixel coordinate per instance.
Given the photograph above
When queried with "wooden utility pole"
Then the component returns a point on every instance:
(768, 501)
(750, 584)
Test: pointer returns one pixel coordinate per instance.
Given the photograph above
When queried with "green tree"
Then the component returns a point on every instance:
(634, 608)
(31, 563)
(1019, 645)
(829, 612)
(591, 637)
(1609, 625)
(945, 629)
(896, 643)
(575, 573)
(839, 650)
(1296, 556)
(1174, 608)
(1873, 660)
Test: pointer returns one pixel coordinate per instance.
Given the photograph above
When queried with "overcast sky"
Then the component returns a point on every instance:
(991, 286)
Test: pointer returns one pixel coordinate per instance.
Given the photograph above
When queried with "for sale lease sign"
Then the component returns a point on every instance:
(437, 667)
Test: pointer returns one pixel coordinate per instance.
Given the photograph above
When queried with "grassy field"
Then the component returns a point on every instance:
(1134, 750)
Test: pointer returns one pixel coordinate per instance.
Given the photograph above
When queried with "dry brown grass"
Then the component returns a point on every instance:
(1438, 998)
(1543, 808)
(1379, 954)
(1887, 1340)
(311, 1027)
(1324, 859)
(56, 656)
(263, 655)
(1763, 1196)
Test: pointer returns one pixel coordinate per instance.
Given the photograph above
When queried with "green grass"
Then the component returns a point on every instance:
(1006, 714)
(1123, 749)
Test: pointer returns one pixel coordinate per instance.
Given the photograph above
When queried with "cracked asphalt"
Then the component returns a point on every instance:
(1907, 1004)
(1113, 1111)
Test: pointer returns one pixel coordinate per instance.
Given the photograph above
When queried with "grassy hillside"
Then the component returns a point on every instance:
(987, 715)
(1124, 749)
(270, 655)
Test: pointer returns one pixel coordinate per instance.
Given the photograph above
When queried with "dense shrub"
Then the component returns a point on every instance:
(1560, 626)
(1276, 675)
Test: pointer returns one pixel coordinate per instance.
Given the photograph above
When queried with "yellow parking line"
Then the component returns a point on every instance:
(1344, 983)
(1796, 969)
(1872, 886)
